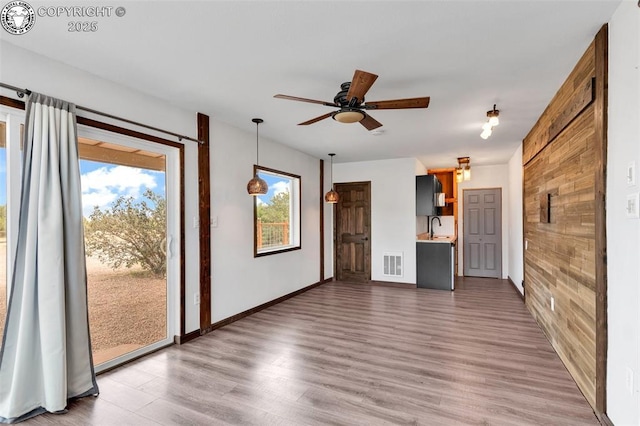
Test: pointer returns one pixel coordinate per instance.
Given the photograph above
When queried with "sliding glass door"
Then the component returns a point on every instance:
(131, 198)
(130, 193)
(11, 128)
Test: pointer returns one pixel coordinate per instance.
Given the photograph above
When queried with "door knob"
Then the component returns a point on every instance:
(365, 239)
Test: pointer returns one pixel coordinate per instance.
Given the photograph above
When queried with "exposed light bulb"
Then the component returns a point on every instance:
(485, 133)
(494, 121)
(486, 126)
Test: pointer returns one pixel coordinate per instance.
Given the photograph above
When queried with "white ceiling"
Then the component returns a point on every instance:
(228, 59)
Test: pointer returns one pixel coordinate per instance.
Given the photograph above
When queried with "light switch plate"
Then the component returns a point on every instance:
(632, 206)
(631, 173)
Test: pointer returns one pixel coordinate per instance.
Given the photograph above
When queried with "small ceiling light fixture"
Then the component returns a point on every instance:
(257, 186)
(332, 196)
(492, 121)
(463, 171)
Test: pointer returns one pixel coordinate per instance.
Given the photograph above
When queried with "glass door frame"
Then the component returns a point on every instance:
(173, 239)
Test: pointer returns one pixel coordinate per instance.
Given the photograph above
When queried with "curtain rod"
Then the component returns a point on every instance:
(21, 92)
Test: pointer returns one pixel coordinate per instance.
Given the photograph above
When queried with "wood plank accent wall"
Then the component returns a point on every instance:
(562, 161)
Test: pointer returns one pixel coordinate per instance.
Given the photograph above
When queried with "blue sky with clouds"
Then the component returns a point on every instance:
(276, 185)
(103, 183)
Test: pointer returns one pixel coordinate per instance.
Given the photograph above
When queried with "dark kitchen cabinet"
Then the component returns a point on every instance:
(427, 186)
(434, 261)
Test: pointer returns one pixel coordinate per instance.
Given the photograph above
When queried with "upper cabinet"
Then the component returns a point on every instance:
(447, 178)
(427, 186)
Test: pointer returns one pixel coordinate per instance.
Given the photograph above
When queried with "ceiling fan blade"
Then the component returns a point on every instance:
(311, 101)
(360, 85)
(370, 123)
(398, 103)
(315, 120)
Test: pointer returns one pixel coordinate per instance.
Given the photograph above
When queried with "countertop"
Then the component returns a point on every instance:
(425, 238)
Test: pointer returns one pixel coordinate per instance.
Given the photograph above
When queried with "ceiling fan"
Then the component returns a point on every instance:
(350, 100)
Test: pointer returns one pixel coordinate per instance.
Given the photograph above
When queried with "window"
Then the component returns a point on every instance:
(277, 213)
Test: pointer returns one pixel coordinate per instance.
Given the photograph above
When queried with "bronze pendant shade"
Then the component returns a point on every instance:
(331, 197)
(257, 186)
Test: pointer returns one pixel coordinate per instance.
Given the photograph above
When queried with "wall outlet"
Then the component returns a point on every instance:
(553, 304)
(196, 222)
(196, 298)
(628, 380)
(214, 221)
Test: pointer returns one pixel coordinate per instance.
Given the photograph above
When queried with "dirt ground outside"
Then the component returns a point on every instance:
(127, 308)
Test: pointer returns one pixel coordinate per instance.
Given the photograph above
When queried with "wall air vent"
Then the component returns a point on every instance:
(393, 264)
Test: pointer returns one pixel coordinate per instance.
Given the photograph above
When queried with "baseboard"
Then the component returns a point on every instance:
(266, 305)
(604, 419)
(181, 340)
(515, 288)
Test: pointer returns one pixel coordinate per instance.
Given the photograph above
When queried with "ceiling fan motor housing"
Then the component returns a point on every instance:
(341, 97)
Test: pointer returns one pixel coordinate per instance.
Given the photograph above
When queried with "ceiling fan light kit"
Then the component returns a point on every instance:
(348, 115)
(492, 121)
(351, 103)
(257, 186)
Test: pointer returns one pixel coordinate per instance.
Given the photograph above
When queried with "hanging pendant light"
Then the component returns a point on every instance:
(332, 196)
(257, 186)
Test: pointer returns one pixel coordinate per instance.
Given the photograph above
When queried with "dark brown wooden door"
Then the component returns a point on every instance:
(353, 232)
(482, 225)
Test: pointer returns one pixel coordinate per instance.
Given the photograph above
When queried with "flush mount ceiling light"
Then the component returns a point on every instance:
(257, 186)
(463, 171)
(332, 196)
(492, 121)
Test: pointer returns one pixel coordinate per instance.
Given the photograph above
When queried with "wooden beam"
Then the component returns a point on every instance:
(204, 196)
(321, 220)
(601, 125)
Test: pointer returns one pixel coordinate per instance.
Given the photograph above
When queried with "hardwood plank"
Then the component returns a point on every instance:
(352, 353)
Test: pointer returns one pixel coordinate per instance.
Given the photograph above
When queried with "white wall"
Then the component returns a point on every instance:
(393, 210)
(623, 234)
(515, 270)
(22, 68)
(486, 177)
(240, 281)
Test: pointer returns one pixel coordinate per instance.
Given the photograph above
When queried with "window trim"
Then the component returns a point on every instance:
(297, 225)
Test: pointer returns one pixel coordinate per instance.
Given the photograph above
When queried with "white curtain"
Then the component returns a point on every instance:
(46, 353)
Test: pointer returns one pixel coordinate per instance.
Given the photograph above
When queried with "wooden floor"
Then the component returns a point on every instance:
(352, 354)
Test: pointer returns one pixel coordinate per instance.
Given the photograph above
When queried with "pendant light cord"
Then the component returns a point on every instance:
(257, 149)
(257, 121)
(331, 171)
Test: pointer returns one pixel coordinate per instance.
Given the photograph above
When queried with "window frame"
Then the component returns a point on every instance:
(295, 202)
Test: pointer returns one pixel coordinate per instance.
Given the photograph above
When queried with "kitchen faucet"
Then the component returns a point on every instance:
(431, 225)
